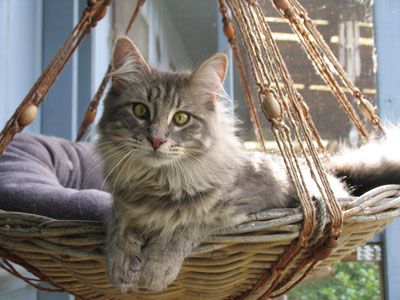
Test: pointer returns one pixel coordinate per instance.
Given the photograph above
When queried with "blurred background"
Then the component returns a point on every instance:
(176, 34)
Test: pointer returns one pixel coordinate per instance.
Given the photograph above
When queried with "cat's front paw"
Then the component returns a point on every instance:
(156, 274)
(124, 271)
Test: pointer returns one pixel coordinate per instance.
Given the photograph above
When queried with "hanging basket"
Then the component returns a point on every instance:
(68, 254)
(270, 252)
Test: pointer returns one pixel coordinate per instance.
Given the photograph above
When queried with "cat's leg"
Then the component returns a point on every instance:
(162, 259)
(123, 253)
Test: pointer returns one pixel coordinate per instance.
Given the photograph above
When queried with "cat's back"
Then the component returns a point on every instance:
(261, 183)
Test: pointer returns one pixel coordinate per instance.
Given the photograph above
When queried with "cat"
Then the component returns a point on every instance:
(177, 170)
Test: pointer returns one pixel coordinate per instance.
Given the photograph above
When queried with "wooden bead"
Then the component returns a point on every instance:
(270, 106)
(357, 94)
(281, 4)
(102, 14)
(366, 108)
(331, 243)
(289, 13)
(229, 30)
(90, 116)
(325, 250)
(322, 252)
(28, 115)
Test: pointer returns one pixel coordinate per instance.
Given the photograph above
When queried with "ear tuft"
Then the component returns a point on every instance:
(125, 53)
(210, 75)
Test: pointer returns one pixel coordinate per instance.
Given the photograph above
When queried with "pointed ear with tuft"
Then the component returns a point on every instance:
(127, 59)
(210, 75)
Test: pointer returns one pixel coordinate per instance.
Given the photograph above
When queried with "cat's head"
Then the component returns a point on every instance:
(160, 117)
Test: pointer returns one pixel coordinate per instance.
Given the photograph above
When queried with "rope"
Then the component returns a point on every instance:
(7, 266)
(91, 111)
(230, 33)
(321, 54)
(26, 111)
(282, 104)
(10, 269)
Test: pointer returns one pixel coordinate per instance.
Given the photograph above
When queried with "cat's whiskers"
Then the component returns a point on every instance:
(113, 152)
(121, 169)
(112, 170)
(99, 161)
(131, 163)
(113, 203)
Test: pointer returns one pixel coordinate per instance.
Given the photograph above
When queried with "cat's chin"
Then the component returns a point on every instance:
(157, 160)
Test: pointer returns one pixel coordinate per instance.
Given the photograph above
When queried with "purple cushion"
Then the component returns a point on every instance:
(52, 177)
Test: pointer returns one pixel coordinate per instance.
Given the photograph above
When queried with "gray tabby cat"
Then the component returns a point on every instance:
(176, 169)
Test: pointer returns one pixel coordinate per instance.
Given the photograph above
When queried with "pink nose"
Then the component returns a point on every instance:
(156, 143)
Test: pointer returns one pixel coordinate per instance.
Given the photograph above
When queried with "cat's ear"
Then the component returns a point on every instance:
(210, 75)
(127, 59)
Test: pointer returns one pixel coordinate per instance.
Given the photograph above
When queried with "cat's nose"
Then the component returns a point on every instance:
(156, 142)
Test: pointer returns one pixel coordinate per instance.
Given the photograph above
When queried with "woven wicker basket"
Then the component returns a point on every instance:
(69, 253)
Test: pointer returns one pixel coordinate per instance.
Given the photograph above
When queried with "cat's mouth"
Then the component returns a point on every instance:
(157, 158)
(157, 155)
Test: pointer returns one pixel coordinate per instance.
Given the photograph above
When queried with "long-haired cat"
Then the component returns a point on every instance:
(176, 169)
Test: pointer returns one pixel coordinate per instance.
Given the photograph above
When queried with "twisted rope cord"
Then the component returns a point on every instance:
(91, 111)
(284, 143)
(8, 267)
(332, 204)
(267, 63)
(26, 111)
(313, 42)
(365, 106)
(288, 82)
(231, 35)
(329, 78)
(289, 86)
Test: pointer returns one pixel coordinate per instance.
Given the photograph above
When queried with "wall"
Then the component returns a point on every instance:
(153, 24)
(20, 53)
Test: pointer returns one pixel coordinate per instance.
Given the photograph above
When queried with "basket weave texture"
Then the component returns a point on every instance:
(69, 253)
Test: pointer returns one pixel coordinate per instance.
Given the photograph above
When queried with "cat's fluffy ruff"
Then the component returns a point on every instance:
(166, 203)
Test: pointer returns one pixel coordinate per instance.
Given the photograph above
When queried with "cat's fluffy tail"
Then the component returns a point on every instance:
(374, 164)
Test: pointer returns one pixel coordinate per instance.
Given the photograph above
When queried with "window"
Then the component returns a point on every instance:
(347, 26)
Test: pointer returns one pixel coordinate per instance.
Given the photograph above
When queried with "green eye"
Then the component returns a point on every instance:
(181, 118)
(140, 110)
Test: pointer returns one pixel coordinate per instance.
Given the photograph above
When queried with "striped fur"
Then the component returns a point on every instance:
(166, 201)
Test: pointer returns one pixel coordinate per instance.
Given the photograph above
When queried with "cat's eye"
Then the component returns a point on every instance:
(140, 110)
(181, 118)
